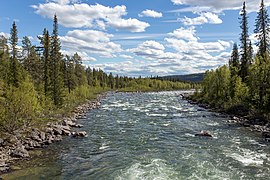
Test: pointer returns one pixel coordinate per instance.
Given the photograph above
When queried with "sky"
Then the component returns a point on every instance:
(136, 37)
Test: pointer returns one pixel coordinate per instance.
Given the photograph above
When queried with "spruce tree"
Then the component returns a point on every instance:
(244, 40)
(111, 81)
(14, 69)
(46, 61)
(262, 30)
(56, 80)
(234, 60)
(26, 45)
(89, 76)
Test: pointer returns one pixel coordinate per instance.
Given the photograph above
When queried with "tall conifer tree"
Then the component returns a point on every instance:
(244, 40)
(55, 66)
(262, 29)
(14, 79)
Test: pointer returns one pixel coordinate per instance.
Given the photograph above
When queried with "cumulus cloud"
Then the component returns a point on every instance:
(77, 15)
(6, 35)
(90, 41)
(153, 50)
(85, 57)
(186, 34)
(150, 13)
(206, 17)
(125, 56)
(193, 47)
(218, 5)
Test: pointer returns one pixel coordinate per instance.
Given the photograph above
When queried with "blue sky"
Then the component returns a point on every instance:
(142, 37)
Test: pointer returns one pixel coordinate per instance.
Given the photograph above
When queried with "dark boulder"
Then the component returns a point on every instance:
(204, 133)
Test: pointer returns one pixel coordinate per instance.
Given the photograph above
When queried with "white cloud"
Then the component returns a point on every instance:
(218, 5)
(79, 15)
(6, 35)
(153, 50)
(186, 34)
(192, 47)
(132, 25)
(206, 17)
(150, 13)
(85, 57)
(125, 56)
(90, 41)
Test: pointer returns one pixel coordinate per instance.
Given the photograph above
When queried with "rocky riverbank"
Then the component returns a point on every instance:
(17, 146)
(237, 116)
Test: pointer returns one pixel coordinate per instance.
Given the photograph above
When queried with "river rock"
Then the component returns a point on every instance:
(42, 136)
(58, 138)
(3, 167)
(79, 134)
(20, 152)
(68, 122)
(57, 130)
(78, 126)
(1, 142)
(66, 132)
(266, 135)
(49, 130)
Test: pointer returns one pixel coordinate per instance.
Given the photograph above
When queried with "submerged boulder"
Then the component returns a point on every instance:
(204, 133)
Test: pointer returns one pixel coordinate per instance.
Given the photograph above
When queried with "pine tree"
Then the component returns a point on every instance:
(14, 69)
(56, 79)
(4, 59)
(89, 76)
(70, 79)
(117, 83)
(79, 70)
(46, 62)
(244, 39)
(111, 81)
(262, 29)
(26, 45)
(234, 60)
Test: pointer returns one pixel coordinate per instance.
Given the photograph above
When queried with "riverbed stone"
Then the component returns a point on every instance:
(1, 142)
(68, 122)
(79, 134)
(66, 132)
(58, 138)
(20, 152)
(3, 167)
(57, 130)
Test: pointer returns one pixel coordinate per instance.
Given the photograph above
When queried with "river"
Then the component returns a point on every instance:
(151, 136)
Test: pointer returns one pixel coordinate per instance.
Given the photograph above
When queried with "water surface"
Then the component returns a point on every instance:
(151, 136)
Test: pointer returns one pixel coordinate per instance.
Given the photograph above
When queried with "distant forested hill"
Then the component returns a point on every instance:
(188, 78)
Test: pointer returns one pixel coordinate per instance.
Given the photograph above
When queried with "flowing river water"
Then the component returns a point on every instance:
(151, 136)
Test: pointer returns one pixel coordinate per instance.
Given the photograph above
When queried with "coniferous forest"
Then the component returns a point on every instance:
(39, 82)
(243, 86)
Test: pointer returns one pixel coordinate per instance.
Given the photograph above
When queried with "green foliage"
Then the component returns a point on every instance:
(262, 29)
(244, 39)
(19, 106)
(56, 76)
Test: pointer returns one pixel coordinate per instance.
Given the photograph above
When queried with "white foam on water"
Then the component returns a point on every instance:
(166, 124)
(156, 115)
(190, 135)
(103, 146)
(157, 169)
(212, 124)
(248, 157)
(121, 122)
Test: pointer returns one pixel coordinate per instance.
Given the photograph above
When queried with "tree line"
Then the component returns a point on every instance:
(243, 84)
(37, 83)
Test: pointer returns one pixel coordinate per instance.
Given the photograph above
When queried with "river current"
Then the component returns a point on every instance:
(136, 136)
